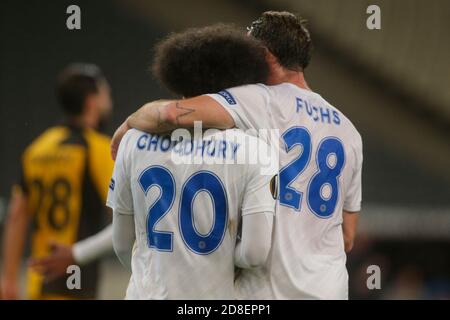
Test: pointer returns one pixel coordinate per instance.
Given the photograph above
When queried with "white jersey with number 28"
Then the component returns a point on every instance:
(320, 154)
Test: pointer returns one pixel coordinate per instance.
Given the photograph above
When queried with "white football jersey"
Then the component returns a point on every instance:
(320, 154)
(187, 198)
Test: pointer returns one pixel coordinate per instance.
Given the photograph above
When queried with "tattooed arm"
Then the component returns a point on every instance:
(167, 115)
(162, 116)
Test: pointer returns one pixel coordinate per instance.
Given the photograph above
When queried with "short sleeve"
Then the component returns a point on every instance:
(353, 197)
(119, 194)
(260, 191)
(248, 105)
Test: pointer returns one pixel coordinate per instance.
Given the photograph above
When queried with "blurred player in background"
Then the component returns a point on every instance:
(64, 184)
(176, 224)
(320, 156)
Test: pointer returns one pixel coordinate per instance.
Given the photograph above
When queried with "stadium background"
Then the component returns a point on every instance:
(393, 83)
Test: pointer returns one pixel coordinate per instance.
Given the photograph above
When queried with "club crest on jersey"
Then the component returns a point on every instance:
(112, 184)
(227, 96)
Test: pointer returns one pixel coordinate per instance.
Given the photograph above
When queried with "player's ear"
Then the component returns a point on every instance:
(276, 71)
(270, 58)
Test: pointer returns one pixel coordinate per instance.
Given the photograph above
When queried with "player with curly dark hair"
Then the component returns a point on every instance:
(209, 216)
(220, 57)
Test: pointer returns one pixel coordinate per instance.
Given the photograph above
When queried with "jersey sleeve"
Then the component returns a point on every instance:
(248, 105)
(352, 202)
(259, 194)
(119, 195)
(100, 163)
(255, 242)
(258, 197)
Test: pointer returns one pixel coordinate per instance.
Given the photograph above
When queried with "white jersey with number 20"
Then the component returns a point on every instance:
(187, 199)
(320, 176)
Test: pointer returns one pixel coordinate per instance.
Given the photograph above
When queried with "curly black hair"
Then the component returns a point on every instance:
(209, 59)
(285, 35)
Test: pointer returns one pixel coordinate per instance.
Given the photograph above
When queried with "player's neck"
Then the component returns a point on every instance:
(294, 77)
(83, 121)
(299, 80)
